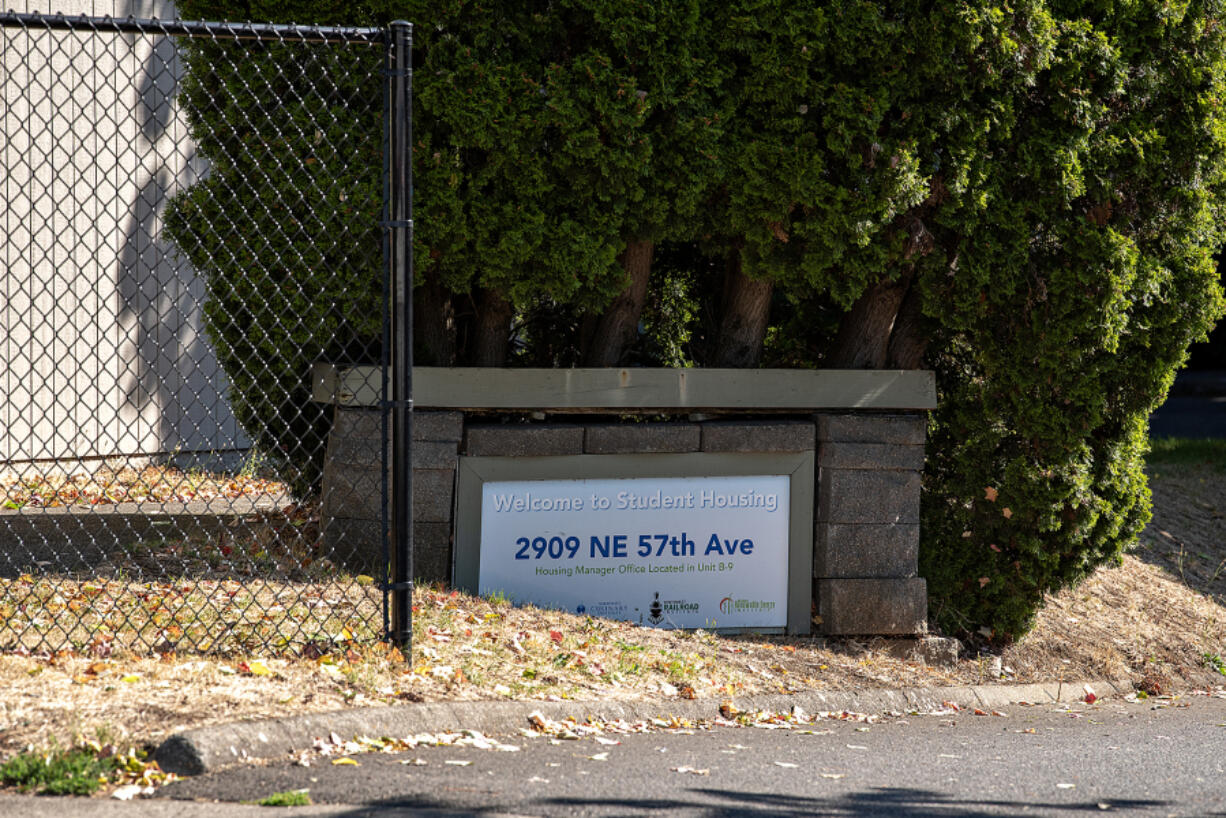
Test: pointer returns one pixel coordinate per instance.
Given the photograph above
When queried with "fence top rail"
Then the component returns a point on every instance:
(189, 28)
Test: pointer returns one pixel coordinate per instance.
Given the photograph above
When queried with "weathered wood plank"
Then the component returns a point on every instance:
(631, 390)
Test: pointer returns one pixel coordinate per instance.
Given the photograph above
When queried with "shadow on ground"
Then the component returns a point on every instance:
(719, 803)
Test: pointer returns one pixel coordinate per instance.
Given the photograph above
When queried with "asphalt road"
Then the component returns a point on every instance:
(1112, 757)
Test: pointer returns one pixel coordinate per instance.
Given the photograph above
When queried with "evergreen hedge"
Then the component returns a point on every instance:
(1033, 191)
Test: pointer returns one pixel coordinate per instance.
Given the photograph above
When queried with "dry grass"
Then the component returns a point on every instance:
(110, 485)
(262, 582)
(1132, 622)
(101, 617)
(1138, 620)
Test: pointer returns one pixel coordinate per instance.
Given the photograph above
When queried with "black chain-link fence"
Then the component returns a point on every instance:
(193, 214)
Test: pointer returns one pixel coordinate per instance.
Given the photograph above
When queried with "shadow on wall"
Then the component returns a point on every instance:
(102, 346)
(171, 385)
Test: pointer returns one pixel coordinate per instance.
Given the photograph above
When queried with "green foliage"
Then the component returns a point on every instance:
(285, 225)
(545, 137)
(290, 798)
(57, 772)
(1048, 175)
(1074, 268)
(1183, 451)
(1214, 662)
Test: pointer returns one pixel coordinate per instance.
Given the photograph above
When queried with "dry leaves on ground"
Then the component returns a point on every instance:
(1136, 621)
(109, 486)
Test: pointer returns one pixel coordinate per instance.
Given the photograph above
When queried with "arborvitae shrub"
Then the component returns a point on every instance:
(1038, 186)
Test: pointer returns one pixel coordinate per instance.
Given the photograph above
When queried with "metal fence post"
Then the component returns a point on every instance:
(399, 243)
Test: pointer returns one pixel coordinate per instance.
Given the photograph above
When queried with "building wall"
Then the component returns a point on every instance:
(102, 350)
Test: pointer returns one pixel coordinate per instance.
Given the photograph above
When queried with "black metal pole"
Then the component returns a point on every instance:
(399, 227)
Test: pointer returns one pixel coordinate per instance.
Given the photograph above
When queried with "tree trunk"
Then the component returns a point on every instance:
(492, 333)
(617, 327)
(434, 325)
(863, 341)
(746, 311)
(908, 341)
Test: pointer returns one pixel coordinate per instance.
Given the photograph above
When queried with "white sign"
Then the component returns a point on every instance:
(673, 552)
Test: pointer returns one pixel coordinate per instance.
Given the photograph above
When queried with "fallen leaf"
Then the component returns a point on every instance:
(1066, 786)
(556, 636)
(599, 757)
(345, 762)
(127, 792)
(414, 762)
(834, 775)
(690, 770)
(1008, 512)
(990, 494)
(788, 764)
(456, 763)
(131, 677)
(983, 581)
(258, 669)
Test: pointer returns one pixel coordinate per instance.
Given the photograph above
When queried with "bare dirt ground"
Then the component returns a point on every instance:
(1158, 620)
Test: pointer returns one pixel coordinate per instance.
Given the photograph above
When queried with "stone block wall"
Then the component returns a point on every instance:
(866, 539)
(352, 496)
(866, 512)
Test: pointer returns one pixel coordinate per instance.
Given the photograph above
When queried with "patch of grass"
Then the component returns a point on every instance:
(57, 772)
(1215, 662)
(291, 798)
(1184, 451)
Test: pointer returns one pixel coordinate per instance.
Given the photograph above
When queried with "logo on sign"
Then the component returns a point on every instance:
(728, 605)
(655, 614)
(609, 610)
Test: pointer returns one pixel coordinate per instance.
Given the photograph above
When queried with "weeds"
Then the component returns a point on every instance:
(292, 798)
(1214, 662)
(58, 772)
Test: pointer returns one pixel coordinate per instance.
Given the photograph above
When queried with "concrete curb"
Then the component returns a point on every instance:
(208, 749)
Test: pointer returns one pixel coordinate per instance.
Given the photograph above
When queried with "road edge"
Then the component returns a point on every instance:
(207, 749)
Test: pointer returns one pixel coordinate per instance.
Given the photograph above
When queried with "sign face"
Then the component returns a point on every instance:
(670, 552)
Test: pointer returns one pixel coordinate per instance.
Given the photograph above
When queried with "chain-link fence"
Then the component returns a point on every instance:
(193, 214)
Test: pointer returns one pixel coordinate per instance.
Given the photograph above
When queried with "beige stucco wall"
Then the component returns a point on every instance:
(101, 346)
